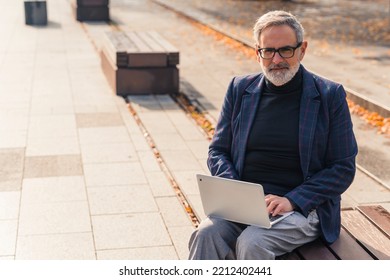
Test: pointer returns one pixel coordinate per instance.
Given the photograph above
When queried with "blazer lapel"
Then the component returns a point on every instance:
(249, 105)
(310, 104)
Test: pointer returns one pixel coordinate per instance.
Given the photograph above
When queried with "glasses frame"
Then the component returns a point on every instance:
(260, 50)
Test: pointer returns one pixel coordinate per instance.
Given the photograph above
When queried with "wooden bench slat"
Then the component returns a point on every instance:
(152, 43)
(127, 43)
(366, 233)
(315, 250)
(168, 47)
(378, 215)
(346, 248)
(139, 43)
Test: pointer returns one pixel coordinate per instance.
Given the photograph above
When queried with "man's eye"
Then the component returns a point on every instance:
(285, 50)
(268, 51)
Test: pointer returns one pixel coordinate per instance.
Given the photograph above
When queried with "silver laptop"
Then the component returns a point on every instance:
(235, 201)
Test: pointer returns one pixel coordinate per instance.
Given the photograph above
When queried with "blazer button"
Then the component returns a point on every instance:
(307, 178)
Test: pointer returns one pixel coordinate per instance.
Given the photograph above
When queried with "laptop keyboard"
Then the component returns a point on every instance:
(273, 218)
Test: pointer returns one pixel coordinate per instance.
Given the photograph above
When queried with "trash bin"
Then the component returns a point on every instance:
(35, 12)
(91, 10)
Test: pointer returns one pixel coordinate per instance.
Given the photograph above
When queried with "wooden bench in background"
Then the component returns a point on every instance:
(139, 63)
(365, 235)
(91, 10)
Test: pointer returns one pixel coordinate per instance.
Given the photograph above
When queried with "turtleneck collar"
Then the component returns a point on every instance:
(294, 84)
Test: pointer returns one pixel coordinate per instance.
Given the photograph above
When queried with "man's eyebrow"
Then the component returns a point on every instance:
(269, 48)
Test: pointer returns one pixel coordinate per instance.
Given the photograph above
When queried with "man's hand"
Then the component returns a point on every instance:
(277, 204)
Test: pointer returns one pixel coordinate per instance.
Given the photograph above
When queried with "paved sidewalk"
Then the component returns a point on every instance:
(78, 178)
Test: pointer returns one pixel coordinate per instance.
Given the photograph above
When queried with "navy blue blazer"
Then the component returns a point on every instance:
(327, 145)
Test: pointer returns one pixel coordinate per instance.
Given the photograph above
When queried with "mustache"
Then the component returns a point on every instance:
(279, 65)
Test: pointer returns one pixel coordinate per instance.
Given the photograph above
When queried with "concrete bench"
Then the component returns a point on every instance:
(139, 63)
(91, 10)
(365, 235)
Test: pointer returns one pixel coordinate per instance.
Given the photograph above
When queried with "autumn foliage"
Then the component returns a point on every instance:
(373, 118)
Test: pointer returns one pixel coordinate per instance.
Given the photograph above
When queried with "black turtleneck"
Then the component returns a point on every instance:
(272, 154)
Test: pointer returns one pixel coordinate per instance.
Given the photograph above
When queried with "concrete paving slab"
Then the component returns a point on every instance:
(163, 125)
(148, 161)
(113, 174)
(53, 189)
(98, 120)
(144, 103)
(53, 145)
(170, 142)
(121, 199)
(11, 172)
(159, 184)
(9, 202)
(52, 166)
(14, 139)
(99, 135)
(128, 119)
(130, 231)
(50, 218)
(139, 142)
(20, 122)
(141, 253)
(109, 152)
(8, 232)
(181, 161)
(18, 104)
(173, 212)
(70, 246)
(189, 132)
(46, 126)
(166, 102)
(199, 148)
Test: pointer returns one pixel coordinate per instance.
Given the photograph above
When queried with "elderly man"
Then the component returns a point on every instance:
(289, 130)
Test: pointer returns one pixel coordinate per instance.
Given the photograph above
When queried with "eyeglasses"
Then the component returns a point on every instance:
(285, 52)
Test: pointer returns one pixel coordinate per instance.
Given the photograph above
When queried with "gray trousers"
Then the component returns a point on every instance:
(218, 239)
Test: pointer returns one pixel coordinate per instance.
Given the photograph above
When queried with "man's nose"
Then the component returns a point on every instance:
(277, 58)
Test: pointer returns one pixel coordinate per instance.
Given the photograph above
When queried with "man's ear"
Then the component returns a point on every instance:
(258, 57)
(257, 53)
(303, 50)
(256, 49)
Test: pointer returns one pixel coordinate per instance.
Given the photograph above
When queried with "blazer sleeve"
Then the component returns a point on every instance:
(219, 159)
(329, 177)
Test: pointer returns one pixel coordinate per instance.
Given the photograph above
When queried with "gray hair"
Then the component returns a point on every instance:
(277, 18)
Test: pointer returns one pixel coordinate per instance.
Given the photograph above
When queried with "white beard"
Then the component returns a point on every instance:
(279, 78)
